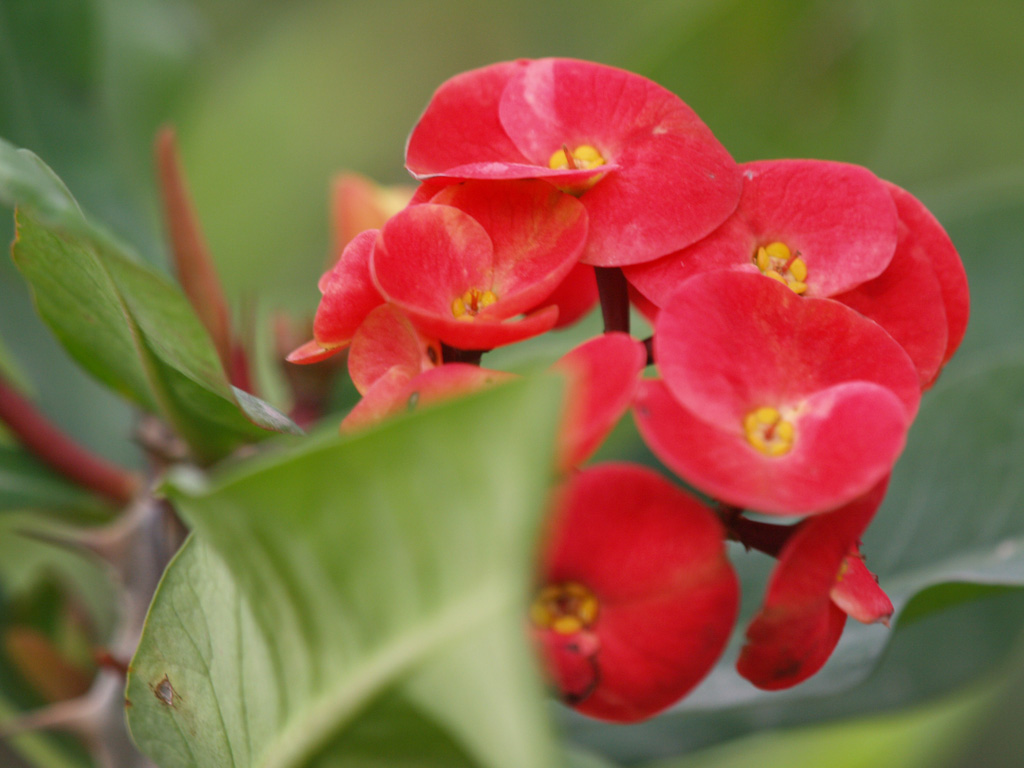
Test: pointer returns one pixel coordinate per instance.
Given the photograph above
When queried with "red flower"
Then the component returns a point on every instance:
(477, 255)
(774, 402)
(806, 604)
(637, 598)
(820, 227)
(652, 176)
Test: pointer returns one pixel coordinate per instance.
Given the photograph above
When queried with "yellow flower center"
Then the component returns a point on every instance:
(583, 158)
(777, 262)
(769, 432)
(469, 304)
(565, 608)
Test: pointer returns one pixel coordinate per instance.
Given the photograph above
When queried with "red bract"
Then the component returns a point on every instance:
(348, 297)
(800, 622)
(651, 174)
(921, 299)
(477, 255)
(386, 339)
(637, 598)
(603, 375)
(820, 227)
(771, 401)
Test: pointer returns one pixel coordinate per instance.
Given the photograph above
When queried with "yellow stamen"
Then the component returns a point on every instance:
(468, 305)
(768, 431)
(779, 263)
(566, 608)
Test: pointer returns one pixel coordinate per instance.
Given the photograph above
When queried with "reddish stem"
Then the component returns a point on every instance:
(191, 255)
(614, 293)
(61, 453)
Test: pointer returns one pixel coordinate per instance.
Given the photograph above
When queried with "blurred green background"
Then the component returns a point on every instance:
(271, 99)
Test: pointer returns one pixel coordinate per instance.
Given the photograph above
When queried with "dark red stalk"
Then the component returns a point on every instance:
(61, 453)
(764, 537)
(612, 288)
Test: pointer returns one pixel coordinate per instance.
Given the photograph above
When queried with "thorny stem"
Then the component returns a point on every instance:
(612, 288)
(60, 452)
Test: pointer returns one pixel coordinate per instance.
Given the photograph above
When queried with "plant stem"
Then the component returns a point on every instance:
(612, 288)
(60, 452)
(764, 537)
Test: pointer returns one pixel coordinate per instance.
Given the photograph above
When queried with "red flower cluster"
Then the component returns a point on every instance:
(799, 307)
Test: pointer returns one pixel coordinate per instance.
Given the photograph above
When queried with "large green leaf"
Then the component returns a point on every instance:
(357, 602)
(134, 331)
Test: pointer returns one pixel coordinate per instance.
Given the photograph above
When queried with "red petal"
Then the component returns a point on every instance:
(857, 593)
(387, 339)
(483, 333)
(570, 662)
(460, 125)
(923, 233)
(846, 441)
(348, 293)
(728, 343)
(312, 352)
(655, 559)
(428, 255)
(798, 626)
(906, 300)
(603, 375)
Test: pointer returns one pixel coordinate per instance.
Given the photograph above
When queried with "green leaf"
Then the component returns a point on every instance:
(26, 180)
(355, 595)
(135, 332)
